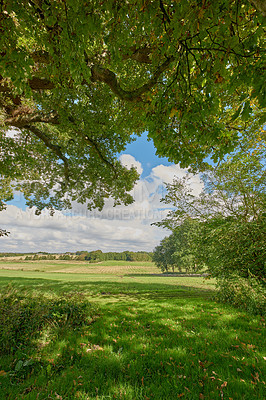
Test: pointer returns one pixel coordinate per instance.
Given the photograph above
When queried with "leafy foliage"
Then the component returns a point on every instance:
(78, 78)
(231, 246)
(163, 254)
(23, 318)
(247, 294)
(179, 250)
(235, 188)
(232, 222)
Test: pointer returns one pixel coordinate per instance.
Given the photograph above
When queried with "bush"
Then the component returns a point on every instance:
(247, 294)
(230, 246)
(23, 316)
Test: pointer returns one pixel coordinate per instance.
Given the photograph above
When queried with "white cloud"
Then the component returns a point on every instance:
(167, 174)
(114, 229)
(129, 161)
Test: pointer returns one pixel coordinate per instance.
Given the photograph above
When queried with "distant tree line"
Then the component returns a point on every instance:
(98, 255)
(40, 257)
(84, 255)
(14, 254)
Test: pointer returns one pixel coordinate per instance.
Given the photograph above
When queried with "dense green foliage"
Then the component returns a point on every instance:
(78, 78)
(15, 254)
(163, 254)
(232, 247)
(230, 215)
(179, 250)
(96, 255)
(244, 293)
(33, 315)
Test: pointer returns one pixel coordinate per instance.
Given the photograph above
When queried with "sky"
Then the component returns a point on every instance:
(114, 228)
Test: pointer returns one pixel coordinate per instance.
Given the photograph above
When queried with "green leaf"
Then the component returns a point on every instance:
(247, 110)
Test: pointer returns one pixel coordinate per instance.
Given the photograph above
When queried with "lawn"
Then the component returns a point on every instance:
(119, 332)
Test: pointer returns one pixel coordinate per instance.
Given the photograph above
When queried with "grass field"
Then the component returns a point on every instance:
(146, 336)
(106, 267)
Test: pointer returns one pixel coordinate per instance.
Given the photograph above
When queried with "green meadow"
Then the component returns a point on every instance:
(117, 330)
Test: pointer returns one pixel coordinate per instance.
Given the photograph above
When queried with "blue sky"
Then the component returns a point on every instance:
(144, 151)
(115, 228)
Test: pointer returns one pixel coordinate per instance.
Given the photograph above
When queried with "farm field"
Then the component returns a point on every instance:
(109, 267)
(73, 330)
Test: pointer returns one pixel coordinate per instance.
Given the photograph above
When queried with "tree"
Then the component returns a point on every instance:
(78, 78)
(96, 255)
(231, 209)
(179, 250)
(186, 245)
(163, 255)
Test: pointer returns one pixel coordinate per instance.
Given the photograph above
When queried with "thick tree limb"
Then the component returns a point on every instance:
(40, 84)
(35, 83)
(55, 148)
(101, 74)
(21, 119)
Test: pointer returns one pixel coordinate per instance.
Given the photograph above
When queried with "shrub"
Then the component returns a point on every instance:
(230, 246)
(23, 316)
(247, 294)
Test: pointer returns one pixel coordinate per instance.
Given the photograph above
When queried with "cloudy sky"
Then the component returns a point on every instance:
(113, 229)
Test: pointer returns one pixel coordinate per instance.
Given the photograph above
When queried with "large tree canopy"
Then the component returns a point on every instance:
(78, 78)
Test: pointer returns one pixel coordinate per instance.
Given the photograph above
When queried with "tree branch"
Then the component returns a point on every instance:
(55, 148)
(164, 12)
(40, 84)
(95, 146)
(101, 74)
(22, 119)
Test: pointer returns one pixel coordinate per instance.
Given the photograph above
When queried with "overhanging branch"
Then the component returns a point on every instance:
(101, 74)
(93, 144)
(55, 148)
(22, 119)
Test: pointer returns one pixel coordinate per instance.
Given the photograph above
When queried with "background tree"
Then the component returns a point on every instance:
(231, 209)
(180, 249)
(78, 78)
(163, 255)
